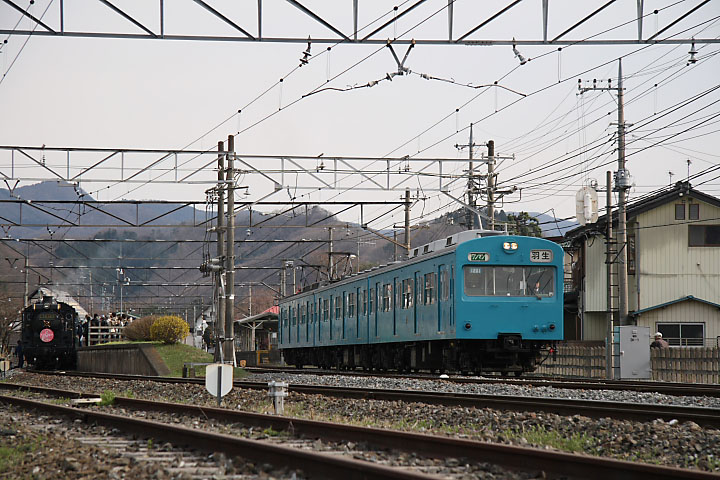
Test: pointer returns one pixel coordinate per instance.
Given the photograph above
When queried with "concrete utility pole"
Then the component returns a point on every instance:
(330, 254)
(407, 223)
(229, 348)
(623, 182)
(470, 214)
(220, 230)
(608, 267)
(491, 183)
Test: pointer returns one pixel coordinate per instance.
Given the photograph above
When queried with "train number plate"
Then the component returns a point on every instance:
(479, 257)
(46, 335)
(541, 256)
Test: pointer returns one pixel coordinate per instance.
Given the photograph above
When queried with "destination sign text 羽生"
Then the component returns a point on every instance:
(541, 256)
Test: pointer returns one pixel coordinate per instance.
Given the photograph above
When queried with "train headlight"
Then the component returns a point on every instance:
(510, 246)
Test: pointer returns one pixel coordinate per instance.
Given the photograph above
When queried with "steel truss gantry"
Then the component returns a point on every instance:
(347, 27)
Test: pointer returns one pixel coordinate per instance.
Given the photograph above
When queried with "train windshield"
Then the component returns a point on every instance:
(509, 281)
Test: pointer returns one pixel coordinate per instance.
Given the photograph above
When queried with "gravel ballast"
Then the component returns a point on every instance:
(672, 443)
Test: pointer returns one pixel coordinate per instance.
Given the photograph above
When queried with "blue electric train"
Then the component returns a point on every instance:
(467, 303)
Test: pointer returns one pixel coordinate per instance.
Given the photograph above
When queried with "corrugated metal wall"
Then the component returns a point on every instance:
(668, 268)
(688, 311)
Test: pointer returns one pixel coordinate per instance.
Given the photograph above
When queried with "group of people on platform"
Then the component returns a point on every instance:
(115, 324)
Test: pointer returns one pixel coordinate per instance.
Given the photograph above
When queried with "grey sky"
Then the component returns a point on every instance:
(111, 93)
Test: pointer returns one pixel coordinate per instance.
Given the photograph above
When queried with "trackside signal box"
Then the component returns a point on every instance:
(631, 353)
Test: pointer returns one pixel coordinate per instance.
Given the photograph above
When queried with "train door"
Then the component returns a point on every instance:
(451, 300)
(393, 305)
(417, 292)
(307, 321)
(358, 310)
(332, 308)
(344, 311)
(376, 293)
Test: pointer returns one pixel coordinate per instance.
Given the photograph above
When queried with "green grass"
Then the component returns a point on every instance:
(577, 442)
(107, 398)
(12, 455)
(178, 354)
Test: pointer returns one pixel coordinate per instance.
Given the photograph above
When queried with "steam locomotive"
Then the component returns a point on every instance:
(49, 334)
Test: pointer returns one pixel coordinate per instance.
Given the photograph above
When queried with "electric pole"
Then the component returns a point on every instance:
(229, 350)
(491, 183)
(220, 230)
(623, 182)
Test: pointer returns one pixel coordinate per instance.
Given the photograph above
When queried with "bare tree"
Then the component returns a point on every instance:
(10, 319)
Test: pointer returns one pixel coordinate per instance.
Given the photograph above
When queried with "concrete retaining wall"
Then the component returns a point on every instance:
(132, 359)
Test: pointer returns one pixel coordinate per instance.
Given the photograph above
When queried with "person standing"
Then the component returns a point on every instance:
(659, 342)
(20, 354)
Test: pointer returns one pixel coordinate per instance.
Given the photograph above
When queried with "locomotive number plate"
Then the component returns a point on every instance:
(478, 257)
(47, 335)
(541, 256)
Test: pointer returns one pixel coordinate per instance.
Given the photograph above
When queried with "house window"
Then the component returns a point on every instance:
(704, 235)
(679, 211)
(683, 334)
(694, 211)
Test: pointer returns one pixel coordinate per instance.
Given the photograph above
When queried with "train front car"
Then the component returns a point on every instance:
(49, 334)
(508, 302)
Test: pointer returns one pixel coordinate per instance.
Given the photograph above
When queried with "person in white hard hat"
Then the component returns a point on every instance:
(659, 342)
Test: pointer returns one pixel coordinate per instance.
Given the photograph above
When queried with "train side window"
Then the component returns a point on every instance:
(371, 300)
(351, 305)
(387, 297)
(407, 293)
(303, 315)
(326, 310)
(363, 301)
(430, 288)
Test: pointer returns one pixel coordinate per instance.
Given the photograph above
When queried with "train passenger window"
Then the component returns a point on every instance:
(407, 293)
(371, 298)
(338, 308)
(387, 297)
(351, 305)
(303, 315)
(363, 301)
(326, 310)
(429, 292)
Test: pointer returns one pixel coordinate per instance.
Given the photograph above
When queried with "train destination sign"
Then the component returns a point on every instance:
(46, 335)
(478, 257)
(541, 256)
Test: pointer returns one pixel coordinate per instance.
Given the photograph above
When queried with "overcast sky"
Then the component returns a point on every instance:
(161, 94)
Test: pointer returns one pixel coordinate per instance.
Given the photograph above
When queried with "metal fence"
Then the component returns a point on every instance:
(105, 334)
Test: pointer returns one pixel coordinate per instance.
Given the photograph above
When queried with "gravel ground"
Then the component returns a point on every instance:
(685, 445)
(39, 447)
(486, 389)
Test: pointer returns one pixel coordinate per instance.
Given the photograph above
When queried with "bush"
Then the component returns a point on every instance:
(169, 329)
(139, 329)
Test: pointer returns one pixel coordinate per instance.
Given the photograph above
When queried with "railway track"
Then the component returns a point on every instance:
(708, 417)
(325, 465)
(666, 388)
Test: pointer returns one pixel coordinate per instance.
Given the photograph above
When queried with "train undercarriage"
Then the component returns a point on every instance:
(504, 355)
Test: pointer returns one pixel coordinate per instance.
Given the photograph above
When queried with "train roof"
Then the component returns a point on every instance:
(417, 254)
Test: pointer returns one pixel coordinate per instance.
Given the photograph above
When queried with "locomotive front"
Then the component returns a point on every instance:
(509, 301)
(49, 333)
